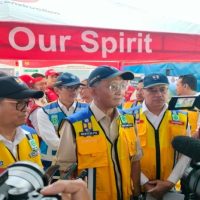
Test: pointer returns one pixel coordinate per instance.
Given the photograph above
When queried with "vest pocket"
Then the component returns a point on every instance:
(92, 152)
(177, 130)
(131, 143)
(142, 134)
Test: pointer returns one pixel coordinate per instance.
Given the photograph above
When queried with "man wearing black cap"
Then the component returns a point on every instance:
(157, 126)
(50, 116)
(16, 142)
(103, 140)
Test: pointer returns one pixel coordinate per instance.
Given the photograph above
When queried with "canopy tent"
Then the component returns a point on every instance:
(81, 43)
(171, 69)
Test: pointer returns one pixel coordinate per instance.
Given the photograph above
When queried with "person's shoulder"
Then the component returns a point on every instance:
(27, 130)
(80, 115)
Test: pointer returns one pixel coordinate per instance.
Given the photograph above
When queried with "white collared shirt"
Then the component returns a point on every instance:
(12, 145)
(154, 119)
(45, 128)
(69, 111)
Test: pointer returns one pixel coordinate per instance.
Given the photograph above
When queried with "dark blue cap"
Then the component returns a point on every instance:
(105, 72)
(14, 88)
(155, 79)
(67, 79)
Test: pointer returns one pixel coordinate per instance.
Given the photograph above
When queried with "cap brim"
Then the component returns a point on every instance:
(52, 74)
(128, 75)
(25, 94)
(69, 84)
(155, 84)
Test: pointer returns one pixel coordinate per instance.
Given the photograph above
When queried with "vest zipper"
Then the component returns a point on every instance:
(157, 143)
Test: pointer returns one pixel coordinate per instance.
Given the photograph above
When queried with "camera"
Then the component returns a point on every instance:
(22, 181)
(190, 182)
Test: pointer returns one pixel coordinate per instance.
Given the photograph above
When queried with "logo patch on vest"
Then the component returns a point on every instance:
(128, 125)
(1, 162)
(176, 122)
(54, 120)
(33, 145)
(175, 117)
(124, 122)
(140, 121)
(89, 133)
(87, 129)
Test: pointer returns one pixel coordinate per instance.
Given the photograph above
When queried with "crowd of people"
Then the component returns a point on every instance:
(123, 143)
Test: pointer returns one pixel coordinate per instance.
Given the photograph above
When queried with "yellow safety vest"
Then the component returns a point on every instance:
(24, 152)
(94, 151)
(158, 159)
(193, 120)
(130, 104)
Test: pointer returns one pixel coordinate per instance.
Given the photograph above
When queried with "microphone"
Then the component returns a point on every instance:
(72, 168)
(187, 146)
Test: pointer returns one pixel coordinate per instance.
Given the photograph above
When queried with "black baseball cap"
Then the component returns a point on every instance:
(13, 88)
(155, 79)
(67, 79)
(105, 72)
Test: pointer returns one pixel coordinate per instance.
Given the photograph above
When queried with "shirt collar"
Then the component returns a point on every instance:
(146, 110)
(62, 106)
(20, 134)
(99, 114)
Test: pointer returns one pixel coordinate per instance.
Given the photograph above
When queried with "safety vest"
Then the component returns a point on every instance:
(193, 120)
(159, 156)
(130, 104)
(56, 115)
(27, 150)
(94, 153)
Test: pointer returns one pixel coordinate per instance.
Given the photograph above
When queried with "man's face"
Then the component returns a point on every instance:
(180, 89)
(51, 80)
(40, 85)
(85, 94)
(139, 93)
(67, 94)
(156, 96)
(13, 111)
(110, 92)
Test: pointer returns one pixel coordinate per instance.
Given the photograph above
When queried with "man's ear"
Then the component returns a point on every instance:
(185, 85)
(56, 89)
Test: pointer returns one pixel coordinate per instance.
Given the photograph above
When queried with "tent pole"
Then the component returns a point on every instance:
(20, 67)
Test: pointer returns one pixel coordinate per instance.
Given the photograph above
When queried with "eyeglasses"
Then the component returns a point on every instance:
(116, 86)
(20, 105)
(162, 90)
(72, 88)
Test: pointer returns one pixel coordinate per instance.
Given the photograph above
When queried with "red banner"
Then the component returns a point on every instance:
(54, 42)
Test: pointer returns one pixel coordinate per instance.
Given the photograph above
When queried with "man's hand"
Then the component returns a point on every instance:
(148, 186)
(196, 134)
(69, 189)
(159, 188)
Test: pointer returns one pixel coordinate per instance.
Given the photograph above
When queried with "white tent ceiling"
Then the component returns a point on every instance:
(179, 16)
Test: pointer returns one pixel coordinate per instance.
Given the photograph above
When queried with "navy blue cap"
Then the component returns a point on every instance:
(67, 79)
(14, 88)
(105, 72)
(155, 79)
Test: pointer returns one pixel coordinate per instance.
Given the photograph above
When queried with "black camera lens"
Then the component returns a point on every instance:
(17, 193)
